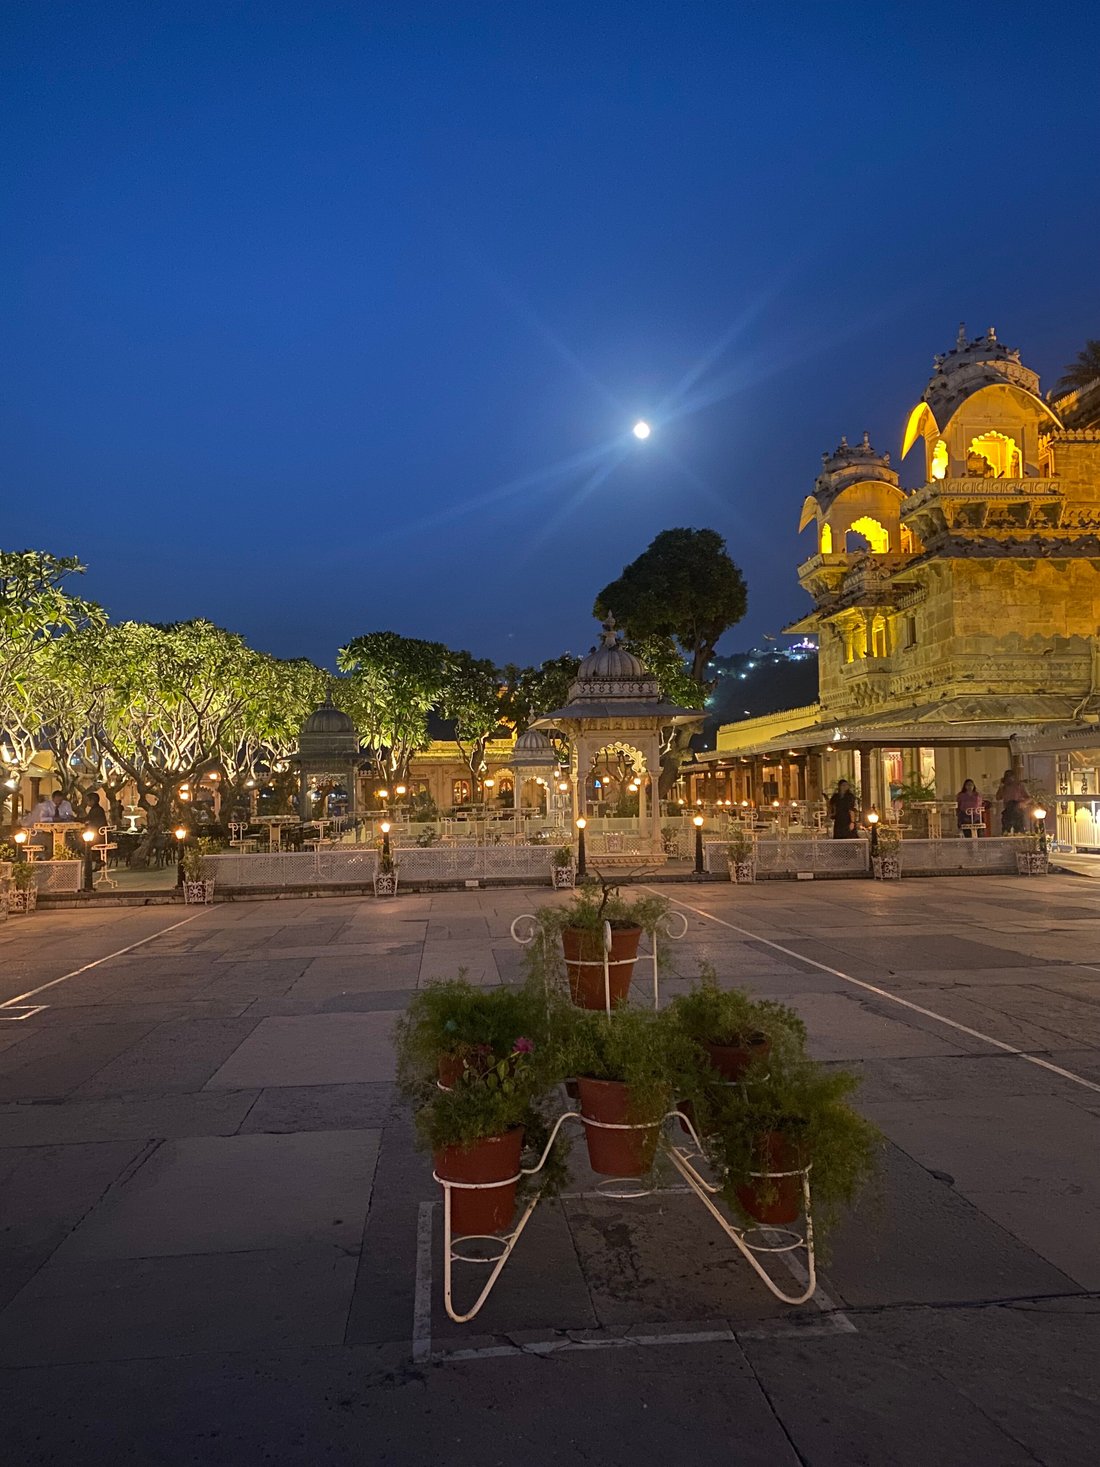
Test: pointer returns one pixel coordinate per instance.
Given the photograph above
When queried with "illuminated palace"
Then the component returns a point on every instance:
(959, 622)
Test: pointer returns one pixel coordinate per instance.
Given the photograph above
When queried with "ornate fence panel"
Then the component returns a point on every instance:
(984, 856)
(58, 875)
(471, 862)
(802, 854)
(327, 866)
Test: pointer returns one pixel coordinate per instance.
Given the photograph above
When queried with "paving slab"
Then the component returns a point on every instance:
(219, 1194)
(133, 1117)
(317, 1049)
(297, 1108)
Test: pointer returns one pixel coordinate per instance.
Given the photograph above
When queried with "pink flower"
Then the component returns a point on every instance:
(523, 1046)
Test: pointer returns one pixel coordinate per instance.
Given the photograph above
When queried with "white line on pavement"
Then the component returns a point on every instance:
(30, 993)
(893, 998)
(555, 1345)
(422, 1299)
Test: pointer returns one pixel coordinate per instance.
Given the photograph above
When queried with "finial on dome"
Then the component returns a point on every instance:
(844, 440)
(991, 336)
(610, 632)
(960, 340)
(866, 440)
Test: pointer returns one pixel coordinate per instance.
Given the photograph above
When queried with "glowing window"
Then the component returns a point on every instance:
(826, 540)
(939, 460)
(460, 792)
(878, 637)
(877, 538)
(993, 455)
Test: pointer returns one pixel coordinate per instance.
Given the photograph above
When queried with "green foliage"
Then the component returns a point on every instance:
(455, 1017)
(23, 876)
(713, 1015)
(1083, 371)
(392, 684)
(914, 791)
(683, 586)
(595, 902)
(429, 836)
(423, 807)
(529, 692)
(808, 1105)
(661, 657)
(562, 856)
(643, 1049)
(741, 846)
(470, 696)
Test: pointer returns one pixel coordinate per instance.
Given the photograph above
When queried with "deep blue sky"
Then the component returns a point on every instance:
(323, 318)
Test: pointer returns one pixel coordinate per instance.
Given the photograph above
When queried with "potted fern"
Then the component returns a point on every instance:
(563, 872)
(578, 931)
(198, 889)
(23, 887)
(741, 856)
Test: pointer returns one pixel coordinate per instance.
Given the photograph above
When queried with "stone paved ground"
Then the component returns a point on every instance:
(209, 1205)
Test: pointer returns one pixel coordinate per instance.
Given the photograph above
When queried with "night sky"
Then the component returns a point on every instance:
(326, 318)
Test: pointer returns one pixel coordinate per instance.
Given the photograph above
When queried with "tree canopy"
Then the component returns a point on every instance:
(392, 684)
(684, 586)
(1084, 370)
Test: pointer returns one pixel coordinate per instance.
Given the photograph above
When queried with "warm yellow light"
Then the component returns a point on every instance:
(939, 460)
(563, 786)
(213, 774)
(581, 822)
(385, 827)
(88, 836)
(744, 804)
(697, 821)
(20, 837)
(872, 817)
(489, 783)
(1039, 813)
(642, 429)
(185, 795)
(681, 802)
(775, 804)
(401, 789)
(180, 832)
(383, 794)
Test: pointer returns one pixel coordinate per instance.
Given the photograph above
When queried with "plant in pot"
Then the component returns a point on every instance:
(730, 1029)
(385, 874)
(1031, 855)
(580, 929)
(741, 856)
(797, 1115)
(451, 1025)
(628, 1068)
(198, 888)
(477, 1127)
(23, 887)
(563, 871)
(886, 862)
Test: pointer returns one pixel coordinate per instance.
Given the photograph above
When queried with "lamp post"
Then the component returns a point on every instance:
(582, 869)
(21, 837)
(872, 821)
(87, 836)
(180, 833)
(1040, 817)
(697, 821)
(386, 857)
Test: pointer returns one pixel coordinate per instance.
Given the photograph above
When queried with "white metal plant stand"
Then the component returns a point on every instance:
(776, 1241)
(525, 935)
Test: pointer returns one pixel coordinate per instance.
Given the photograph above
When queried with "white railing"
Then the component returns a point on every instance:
(355, 865)
(777, 857)
(954, 856)
(471, 862)
(58, 875)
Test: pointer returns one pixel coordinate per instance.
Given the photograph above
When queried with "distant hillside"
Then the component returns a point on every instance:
(760, 681)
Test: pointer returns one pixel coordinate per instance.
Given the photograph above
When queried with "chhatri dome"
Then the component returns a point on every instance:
(328, 719)
(611, 682)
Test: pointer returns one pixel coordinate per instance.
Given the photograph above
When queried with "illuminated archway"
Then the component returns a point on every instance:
(876, 535)
(878, 637)
(999, 451)
(826, 540)
(939, 460)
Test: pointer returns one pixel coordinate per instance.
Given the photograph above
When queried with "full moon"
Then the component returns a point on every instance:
(641, 429)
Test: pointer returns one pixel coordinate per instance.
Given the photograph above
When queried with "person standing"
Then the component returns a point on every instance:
(842, 810)
(1016, 796)
(968, 809)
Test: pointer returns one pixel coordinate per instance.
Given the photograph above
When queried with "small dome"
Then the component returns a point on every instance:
(328, 719)
(534, 741)
(609, 661)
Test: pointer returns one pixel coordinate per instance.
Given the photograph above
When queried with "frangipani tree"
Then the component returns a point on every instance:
(392, 683)
(470, 698)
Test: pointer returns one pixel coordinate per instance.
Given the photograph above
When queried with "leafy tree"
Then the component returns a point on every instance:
(470, 697)
(531, 691)
(1083, 371)
(281, 696)
(36, 609)
(392, 684)
(683, 586)
(685, 590)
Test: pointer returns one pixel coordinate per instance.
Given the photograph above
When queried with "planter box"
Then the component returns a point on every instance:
(563, 878)
(385, 884)
(886, 868)
(22, 901)
(1031, 863)
(198, 893)
(743, 872)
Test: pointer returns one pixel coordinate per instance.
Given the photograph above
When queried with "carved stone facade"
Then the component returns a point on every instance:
(958, 613)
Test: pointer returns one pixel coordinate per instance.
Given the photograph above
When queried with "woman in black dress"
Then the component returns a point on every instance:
(842, 810)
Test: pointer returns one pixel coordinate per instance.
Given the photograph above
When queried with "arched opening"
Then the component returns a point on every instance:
(875, 536)
(826, 540)
(993, 455)
(460, 792)
(939, 460)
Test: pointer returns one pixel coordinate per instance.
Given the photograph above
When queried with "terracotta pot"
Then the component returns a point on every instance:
(584, 964)
(451, 1068)
(774, 1202)
(615, 1153)
(731, 1061)
(492, 1159)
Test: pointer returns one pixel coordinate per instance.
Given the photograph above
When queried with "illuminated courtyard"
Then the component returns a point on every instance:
(220, 1247)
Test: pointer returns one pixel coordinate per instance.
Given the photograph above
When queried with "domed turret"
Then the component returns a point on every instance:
(856, 491)
(328, 719)
(610, 660)
(533, 748)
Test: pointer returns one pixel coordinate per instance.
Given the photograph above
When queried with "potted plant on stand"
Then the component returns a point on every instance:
(198, 889)
(759, 1137)
(452, 1024)
(578, 931)
(886, 853)
(1031, 855)
(23, 887)
(627, 1067)
(563, 870)
(741, 856)
(385, 875)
